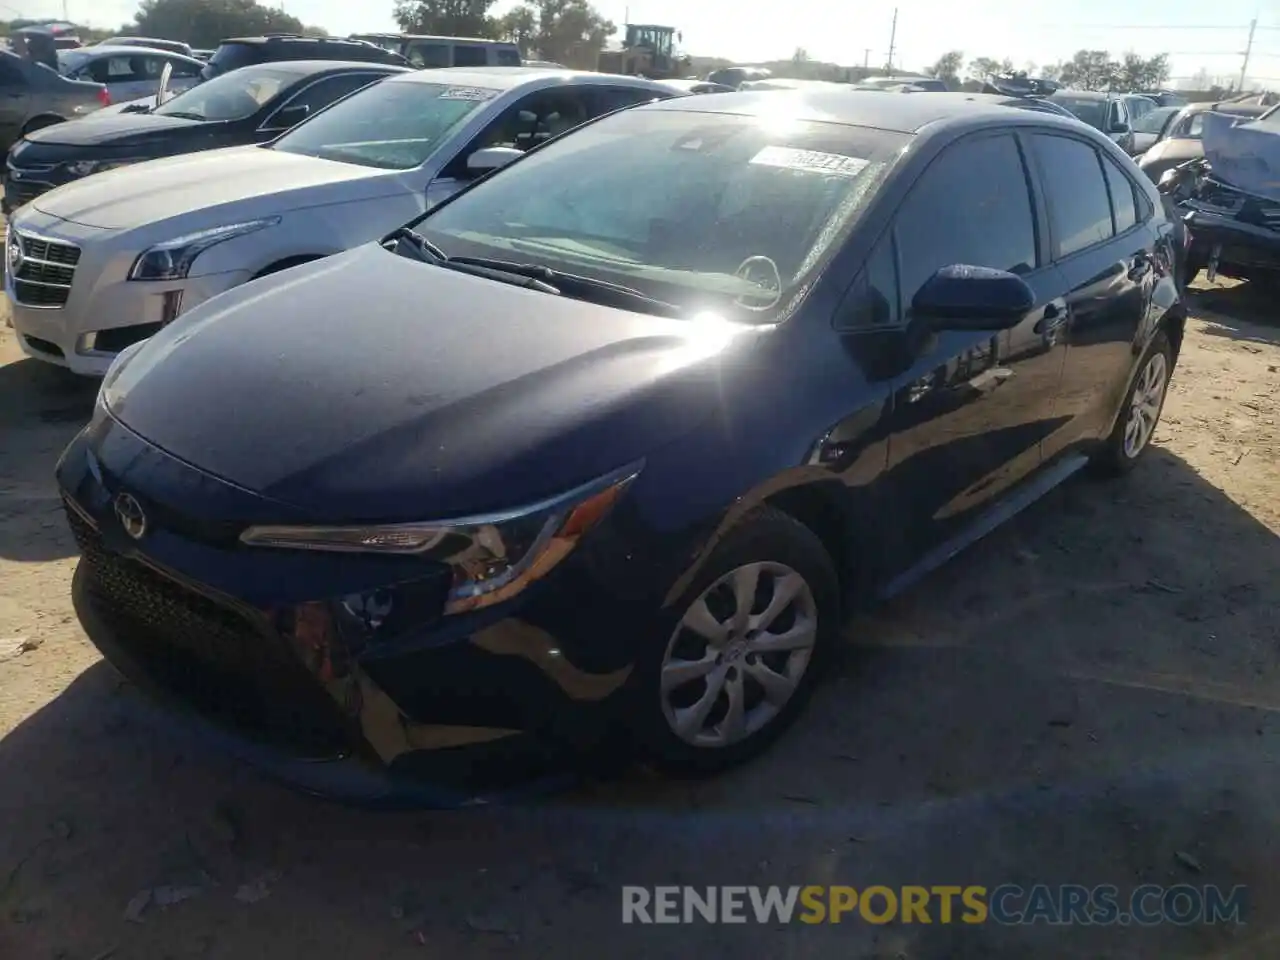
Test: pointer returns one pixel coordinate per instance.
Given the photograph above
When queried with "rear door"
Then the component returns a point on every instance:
(972, 407)
(1103, 240)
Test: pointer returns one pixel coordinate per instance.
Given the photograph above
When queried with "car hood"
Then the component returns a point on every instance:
(1245, 155)
(158, 190)
(114, 129)
(372, 387)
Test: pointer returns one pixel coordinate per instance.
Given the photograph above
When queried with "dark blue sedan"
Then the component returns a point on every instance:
(604, 449)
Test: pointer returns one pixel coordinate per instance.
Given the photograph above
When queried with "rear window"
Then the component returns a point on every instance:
(232, 56)
(508, 57)
(1092, 112)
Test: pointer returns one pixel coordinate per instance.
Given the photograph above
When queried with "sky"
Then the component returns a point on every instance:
(1198, 35)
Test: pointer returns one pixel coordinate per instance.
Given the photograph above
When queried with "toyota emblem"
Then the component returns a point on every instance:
(132, 518)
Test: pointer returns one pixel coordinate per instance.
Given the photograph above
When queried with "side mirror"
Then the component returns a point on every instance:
(1121, 127)
(1167, 178)
(290, 116)
(491, 158)
(965, 297)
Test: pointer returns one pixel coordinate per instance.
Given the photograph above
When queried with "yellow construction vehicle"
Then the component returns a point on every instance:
(647, 51)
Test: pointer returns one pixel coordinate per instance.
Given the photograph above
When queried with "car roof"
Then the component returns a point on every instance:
(904, 113)
(123, 50)
(297, 38)
(1227, 106)
(317, 66)
(1084, 94)
(508, 78)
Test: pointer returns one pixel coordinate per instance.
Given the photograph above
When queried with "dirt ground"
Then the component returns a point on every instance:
(1088, 696)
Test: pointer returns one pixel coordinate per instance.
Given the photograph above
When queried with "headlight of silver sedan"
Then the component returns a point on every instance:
(172, 259)
(492, 557)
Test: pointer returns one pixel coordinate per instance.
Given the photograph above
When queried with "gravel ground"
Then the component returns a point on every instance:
(1087, 696)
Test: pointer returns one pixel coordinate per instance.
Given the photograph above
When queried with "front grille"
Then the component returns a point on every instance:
(47, 270)
(213, 658)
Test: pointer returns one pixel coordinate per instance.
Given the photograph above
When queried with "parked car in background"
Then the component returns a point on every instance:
(931, 84)
(564, 474)
(244, 51)
(736, 76)
(1181, 139)
(129, 72)
(696, 86)
(427, 52)
(249, 105)
(151, 43)
(1109, 113)
(1165, 98)
(544, 64)
(32, 96)
(151, 240)
(1151, 127)
(203, 55)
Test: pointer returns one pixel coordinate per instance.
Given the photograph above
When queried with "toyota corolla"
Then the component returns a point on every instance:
(611, 441)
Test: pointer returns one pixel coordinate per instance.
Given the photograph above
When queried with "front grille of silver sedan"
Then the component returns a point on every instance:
(42, 269)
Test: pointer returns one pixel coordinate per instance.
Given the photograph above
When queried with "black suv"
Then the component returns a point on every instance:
(243, 51)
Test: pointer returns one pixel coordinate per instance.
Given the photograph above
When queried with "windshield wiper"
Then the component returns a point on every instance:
(428, 252)
(579, 287)
(179, 114)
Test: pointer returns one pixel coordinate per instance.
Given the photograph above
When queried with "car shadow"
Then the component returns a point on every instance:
(1086, 696)
(1244, 311)
(41, 409)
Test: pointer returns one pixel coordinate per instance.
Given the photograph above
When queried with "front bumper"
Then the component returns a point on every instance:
(91, 311)
(23, 186)
(1240, 246)
(453, 711)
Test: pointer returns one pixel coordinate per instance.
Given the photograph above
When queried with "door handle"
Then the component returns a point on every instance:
(1054, 316)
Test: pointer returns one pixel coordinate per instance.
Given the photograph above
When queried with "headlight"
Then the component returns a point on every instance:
(172, 259)
(492, 557)
(82, 168)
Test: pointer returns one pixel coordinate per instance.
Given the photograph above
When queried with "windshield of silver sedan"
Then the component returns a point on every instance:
(392, 125)
(725, 213)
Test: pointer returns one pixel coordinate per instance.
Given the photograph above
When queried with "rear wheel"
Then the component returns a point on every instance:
(1140, 413)
(747, 644)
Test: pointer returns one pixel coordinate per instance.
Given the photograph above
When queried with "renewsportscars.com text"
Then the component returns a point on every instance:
(1074, 904)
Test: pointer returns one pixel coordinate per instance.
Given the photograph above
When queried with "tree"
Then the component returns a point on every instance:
(520, 26)
(571, 32)
(206, 23)
(984, 68)
(801, 56)
(1090, 70)
(947, 68)
(449, 18)
(1142, 73)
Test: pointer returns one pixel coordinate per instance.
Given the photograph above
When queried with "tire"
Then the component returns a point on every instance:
(1118, 456)
(779, 550)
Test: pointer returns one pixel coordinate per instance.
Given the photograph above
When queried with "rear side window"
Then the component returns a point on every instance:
(609, 99)
(971, 206)
(1079, 207)
(429, 56)
(468, 56)
(508, 57)
(1123, 203)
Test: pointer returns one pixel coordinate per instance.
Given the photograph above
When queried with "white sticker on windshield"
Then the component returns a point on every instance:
(811, 161)
(468, 93)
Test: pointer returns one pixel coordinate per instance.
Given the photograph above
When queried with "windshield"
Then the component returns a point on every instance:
(731, 214)
(1092, 112)
(231, 96)
(395, 126)
(70, 60)
(1154, 121)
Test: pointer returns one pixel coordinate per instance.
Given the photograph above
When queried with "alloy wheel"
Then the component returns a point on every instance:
(738, 654)
(1144, 408)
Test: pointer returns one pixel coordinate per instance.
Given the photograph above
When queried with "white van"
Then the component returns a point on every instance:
(427, 53)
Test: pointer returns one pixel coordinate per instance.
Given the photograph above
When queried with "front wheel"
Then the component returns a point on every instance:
(745, 646)
(1140, 413)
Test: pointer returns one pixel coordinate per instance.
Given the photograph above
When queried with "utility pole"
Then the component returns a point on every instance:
(1244, 67)
(866, 58)
(893, 36)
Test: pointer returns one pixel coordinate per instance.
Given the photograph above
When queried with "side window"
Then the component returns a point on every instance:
(1123, 203)
(181, 69)
(466, 55)
(11, 74)
(126, 68)
(537, 118)
(508, 57)
(970, 206)
(873, 302)
(430, 56)
(609, 99)
(324, 92)
(1078, 205)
